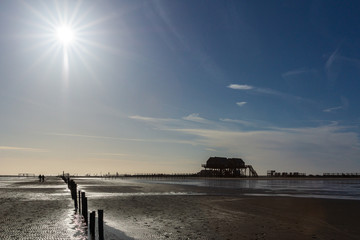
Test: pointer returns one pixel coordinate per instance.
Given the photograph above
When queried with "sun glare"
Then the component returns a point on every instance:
(65, 35)
(66, 31)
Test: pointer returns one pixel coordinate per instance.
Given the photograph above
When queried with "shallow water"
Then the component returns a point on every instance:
(315, 188)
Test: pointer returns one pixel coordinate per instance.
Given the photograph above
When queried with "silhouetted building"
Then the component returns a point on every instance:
(227, 167)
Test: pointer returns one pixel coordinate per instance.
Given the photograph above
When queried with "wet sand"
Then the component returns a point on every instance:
(136, 210)
(33, 210)
(161, 211)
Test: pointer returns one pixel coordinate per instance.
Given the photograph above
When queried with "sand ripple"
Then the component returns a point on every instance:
(41, 212)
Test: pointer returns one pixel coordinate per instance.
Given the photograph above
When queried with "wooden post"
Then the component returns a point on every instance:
(84, 206)
(92, 223)
(75, 195)
(79, 201)
(82, 202)
(101, 224)
(85, 210)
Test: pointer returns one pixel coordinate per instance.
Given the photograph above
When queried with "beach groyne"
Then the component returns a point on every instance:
(81, 206)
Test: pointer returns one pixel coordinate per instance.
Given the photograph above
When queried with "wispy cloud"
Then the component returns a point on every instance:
(345, 105)
(302, 149)
(353, 61)
(270, 92)
(240, 104)
(240, 87)
(242, 122)
(333, 109)
(112, 154)
(86, 136)
(288, 149)
(150, 119)
(150, 140)
(195, 117)
(331, 59)
(297, 72)
(335, 64)
(23, 149)
(210, 149)
(332, 67)
(275, 93)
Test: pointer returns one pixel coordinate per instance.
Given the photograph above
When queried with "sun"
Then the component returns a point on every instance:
(65, 35)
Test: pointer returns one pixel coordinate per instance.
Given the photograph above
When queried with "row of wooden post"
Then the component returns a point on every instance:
(80, 204)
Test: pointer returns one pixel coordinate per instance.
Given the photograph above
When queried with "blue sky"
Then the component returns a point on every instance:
(160, 86)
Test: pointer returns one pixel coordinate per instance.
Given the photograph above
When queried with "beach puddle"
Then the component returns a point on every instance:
(78, 226)
(302, 196)
(139, 194)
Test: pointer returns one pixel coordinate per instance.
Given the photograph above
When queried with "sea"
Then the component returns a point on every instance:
(341, 188)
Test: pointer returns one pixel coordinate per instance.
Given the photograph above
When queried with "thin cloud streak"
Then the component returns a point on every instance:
(124, 139)
(297, 72)
(270, 92)
(23, 149)
(111, 154)
(240, 87)
(150, 119)
(331, 60)
(242, 122)
(301, 148)
(240, 104)
(333, 109)
(344, 106)
(287, 96)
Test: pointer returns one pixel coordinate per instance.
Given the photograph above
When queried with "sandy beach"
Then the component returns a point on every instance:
(162, 211)
(140, 210)
(30, 209)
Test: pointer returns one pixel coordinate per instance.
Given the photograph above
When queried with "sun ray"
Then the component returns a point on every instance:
(98, 45)
(86, 65)
(49, 14)
(58, 12)
(66, 68)
(40, 59)
(38, 14)
(95, 22)
(40, 45)
(67, 32)
(82, 17)
(75, 13)
(84, 50)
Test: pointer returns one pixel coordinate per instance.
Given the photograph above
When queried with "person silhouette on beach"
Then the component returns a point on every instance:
(43, 178)
(40, 177)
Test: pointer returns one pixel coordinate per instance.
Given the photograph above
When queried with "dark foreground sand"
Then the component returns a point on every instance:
(208, 213)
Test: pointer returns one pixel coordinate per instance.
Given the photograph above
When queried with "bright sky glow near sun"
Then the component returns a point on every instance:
(160, 86)
(65, 34)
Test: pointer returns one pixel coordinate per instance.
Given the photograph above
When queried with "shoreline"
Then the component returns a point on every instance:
(190, 176)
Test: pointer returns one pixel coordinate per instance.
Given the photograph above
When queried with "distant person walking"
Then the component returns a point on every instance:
(41, 178)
